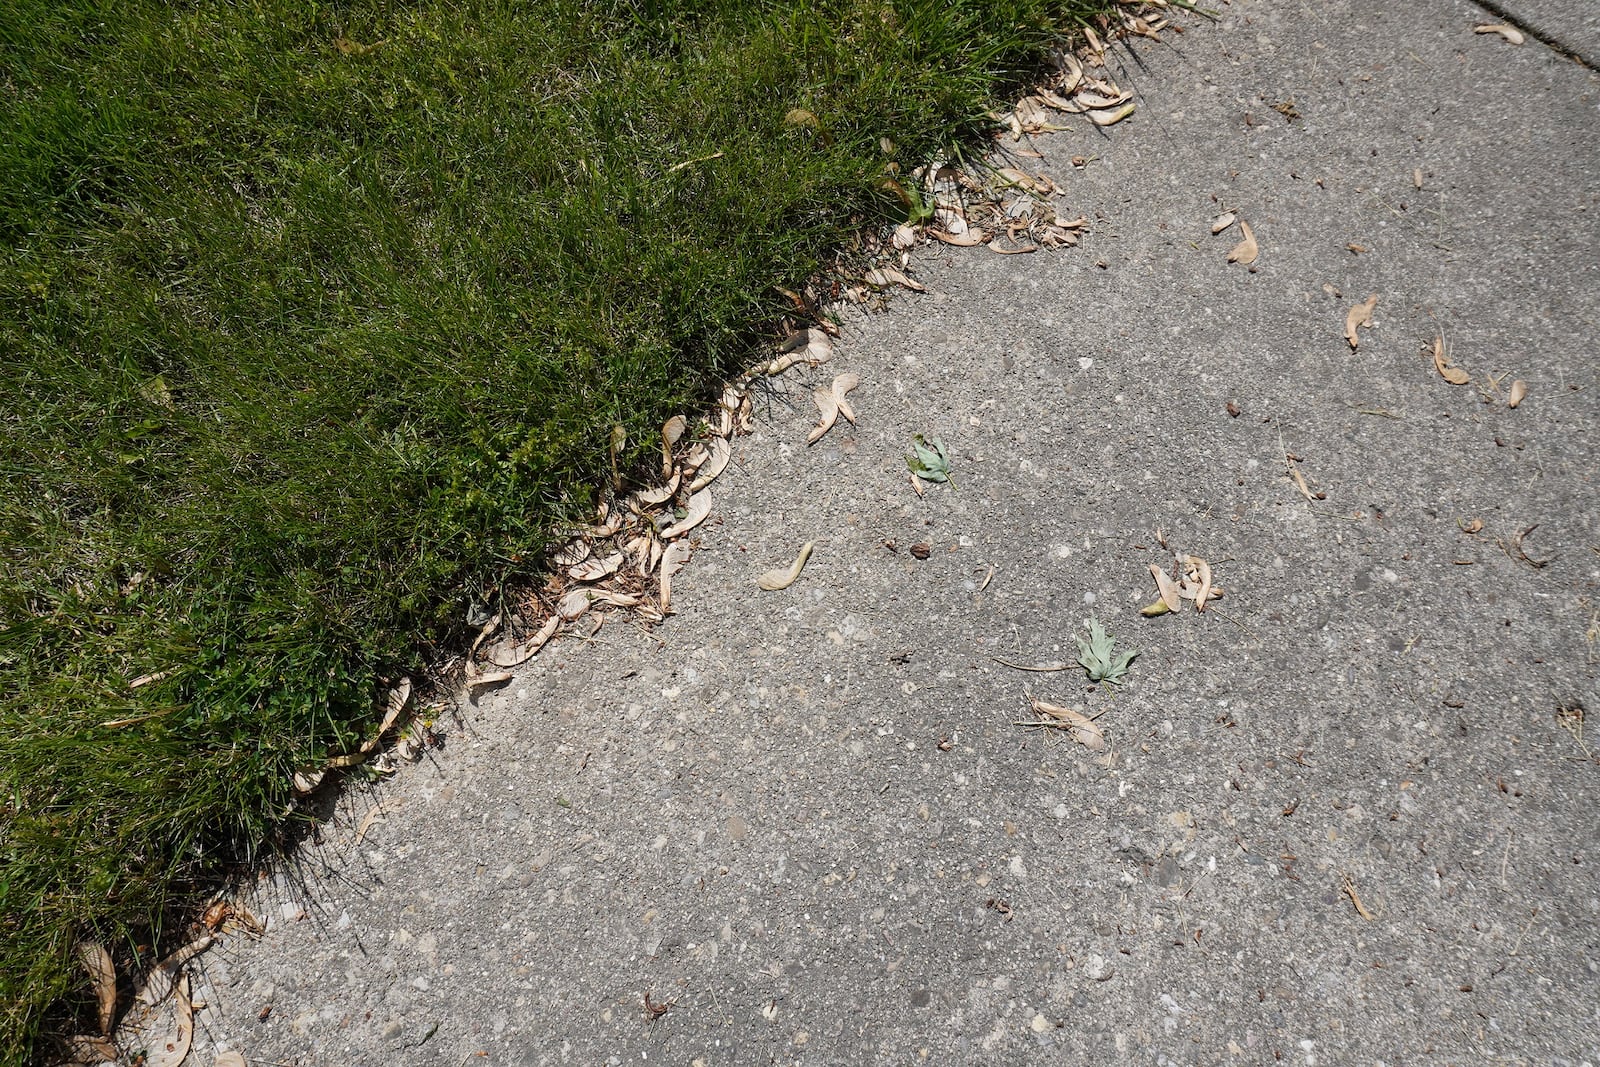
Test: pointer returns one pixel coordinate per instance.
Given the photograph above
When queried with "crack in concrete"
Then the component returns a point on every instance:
(1553, 43)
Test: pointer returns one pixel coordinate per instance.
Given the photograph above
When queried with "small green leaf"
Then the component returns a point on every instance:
(1098, 658)
(931, 464)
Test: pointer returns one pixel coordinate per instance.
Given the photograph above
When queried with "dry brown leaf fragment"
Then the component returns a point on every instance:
(1517, 552)
(1084, 730)
(1349, 886)
(1056, 101)
(1356, 249)
(229, 1059)
(905, 236)
(1519, 391)
(1509, 33)
(1300, 483)
(1359, 315)
(699, 507)
(574, 604)
(784, 577)
(1246, 251)
(1223, 221)
(1447, 370)
(103, 976)
(1416, 177)
(1470, 526)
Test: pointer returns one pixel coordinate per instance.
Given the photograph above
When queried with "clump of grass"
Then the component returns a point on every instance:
(315, 323)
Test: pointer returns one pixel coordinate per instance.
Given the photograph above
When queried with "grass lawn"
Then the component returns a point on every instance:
(316, 321)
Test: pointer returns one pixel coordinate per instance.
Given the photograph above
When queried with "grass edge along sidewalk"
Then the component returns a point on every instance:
(317, 324)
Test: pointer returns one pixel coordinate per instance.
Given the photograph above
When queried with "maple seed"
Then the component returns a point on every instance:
(1247, 250)
(1510, 33)
(1359, 315)
(1083, 729)
(1449, 372)
(784, 577)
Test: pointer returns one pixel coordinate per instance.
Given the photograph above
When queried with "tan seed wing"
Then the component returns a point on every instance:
(592, 570)
(784, 577)
(1359, 315)
(1246, 250)
(103, 975)
(1168, 590)
(699, 508)
(840, 389)
(676, 556)
(1084, 730)
(828, 404)
(719, 453)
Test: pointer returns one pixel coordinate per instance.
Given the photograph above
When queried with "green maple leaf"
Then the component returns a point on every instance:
(1099, 658)
(930, 462)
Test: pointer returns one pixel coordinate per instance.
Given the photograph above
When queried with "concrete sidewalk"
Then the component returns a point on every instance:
(1342, 818)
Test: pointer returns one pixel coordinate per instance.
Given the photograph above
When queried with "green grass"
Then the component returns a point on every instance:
(308, 348)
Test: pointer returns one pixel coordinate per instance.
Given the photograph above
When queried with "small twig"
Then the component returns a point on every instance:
(1043, 668)
(1534, 914)
(1225, 617)
(1349, 887)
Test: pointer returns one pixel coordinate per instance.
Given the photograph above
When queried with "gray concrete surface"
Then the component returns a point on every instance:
(805, 819)
(1570, 25)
